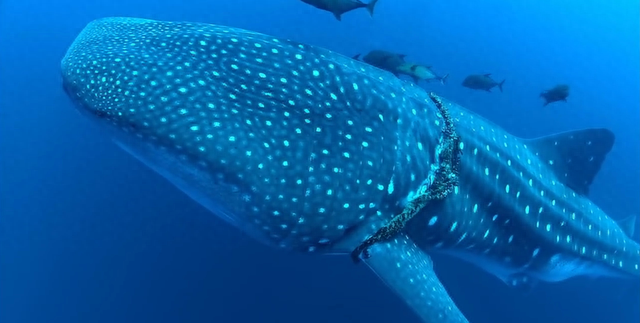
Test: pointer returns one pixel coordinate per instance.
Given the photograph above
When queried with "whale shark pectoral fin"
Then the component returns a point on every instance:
(521, 282)
(409, 272)
(574, 156)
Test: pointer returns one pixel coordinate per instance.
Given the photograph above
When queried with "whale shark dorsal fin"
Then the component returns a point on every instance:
(575, 156)
(628, 225)
(408, 271)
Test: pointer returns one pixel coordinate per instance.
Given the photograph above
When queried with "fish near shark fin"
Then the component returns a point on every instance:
(356, 57)
(338, 16)
(409, 272)
(628, 225)
(575, 156)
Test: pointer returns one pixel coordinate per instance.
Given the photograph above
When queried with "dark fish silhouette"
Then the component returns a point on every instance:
(339, 7)
(481, 82)
(382, 59)
(555, 94)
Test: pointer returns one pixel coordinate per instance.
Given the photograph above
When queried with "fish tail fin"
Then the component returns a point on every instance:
(408, 271)
(370, 6)
(500, 85)
(356, 57)
(443, 79)
(544, 96)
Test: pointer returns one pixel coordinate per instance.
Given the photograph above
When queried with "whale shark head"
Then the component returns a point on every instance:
(279, 138)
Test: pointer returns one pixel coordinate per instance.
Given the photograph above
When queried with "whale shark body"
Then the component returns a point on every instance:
(310, 151)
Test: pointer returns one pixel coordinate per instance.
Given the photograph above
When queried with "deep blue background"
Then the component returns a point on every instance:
(88, 234)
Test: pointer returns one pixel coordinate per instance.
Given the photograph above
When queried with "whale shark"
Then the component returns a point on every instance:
(310, 151)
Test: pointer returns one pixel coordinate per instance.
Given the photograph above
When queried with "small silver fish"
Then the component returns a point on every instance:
(420, 72)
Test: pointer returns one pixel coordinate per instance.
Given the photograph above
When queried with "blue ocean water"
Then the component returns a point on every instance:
(88, 234)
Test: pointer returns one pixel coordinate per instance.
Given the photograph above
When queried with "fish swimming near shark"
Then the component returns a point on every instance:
(307, 150)
(481, 82)
(383, 59)
(420, 72)
(340, 7)
(395, 63)
(555, 94)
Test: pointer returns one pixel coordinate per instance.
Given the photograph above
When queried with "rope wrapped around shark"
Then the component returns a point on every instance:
(445, 179)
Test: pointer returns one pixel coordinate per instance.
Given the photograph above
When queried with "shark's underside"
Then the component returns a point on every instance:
(307, 150)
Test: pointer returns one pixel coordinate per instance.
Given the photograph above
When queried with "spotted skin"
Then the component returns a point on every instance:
(290, 140)
(521, 210)
(302, 148)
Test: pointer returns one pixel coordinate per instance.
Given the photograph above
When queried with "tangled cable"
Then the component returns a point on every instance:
(445, 178)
